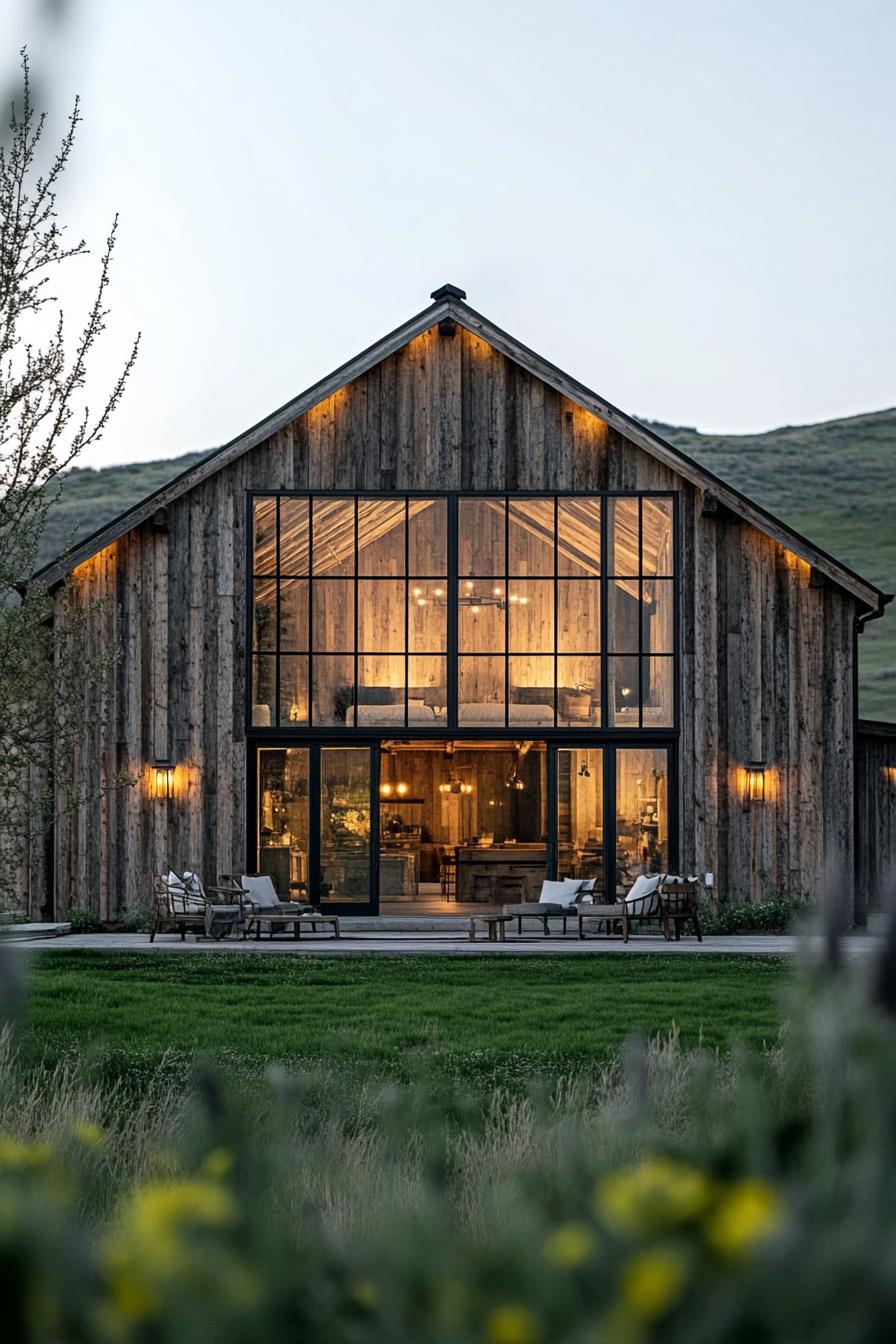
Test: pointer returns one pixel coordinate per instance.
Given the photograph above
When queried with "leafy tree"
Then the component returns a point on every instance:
(47, 658)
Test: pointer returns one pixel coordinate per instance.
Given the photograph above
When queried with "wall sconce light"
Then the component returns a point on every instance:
(163, 779)
(754, 791)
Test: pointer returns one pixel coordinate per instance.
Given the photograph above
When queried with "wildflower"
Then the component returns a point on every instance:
(218, 1163)
(570, 1245)
(513, 1325)
(748, 1214)
(149, 1247)
(365, 1294)
(651, 1283)
(658, 1193)
(18, 1156)
(619, 1326)
(88, 1133)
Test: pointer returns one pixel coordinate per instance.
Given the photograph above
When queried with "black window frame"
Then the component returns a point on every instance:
(448, 725)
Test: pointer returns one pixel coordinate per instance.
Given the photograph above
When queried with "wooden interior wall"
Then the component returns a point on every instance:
(766, 656)
(876, 791)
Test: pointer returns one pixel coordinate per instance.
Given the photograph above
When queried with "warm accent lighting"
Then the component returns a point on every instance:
(755, 782)
(401, 789)
(386, 790)
(163, 779)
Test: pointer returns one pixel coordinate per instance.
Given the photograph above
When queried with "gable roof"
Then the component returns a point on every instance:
(449, 302)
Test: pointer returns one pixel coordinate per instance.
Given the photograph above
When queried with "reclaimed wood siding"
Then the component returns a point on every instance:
(766, 669)
(876, 768)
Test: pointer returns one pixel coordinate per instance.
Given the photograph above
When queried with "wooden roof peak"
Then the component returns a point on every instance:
(449, 303)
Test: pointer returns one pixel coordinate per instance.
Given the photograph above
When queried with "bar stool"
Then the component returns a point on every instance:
(448, 875)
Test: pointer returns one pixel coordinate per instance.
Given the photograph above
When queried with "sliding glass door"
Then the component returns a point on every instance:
(580, 814)
(315, 813)
(322, 819)
(345, 811)
(613, 815)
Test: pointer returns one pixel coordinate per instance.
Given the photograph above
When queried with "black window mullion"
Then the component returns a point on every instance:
(311, 582)
(314, 819)
(641, 613)
(276, 715)
(407, 580)
(355, 625)
(608, 765)
(555, 664)
(506, 611)
(604, 663)
(553, 804)
(452, 594)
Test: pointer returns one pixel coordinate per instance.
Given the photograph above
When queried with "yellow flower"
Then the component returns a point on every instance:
(619, 1326)
(365, 1294)
(18, 1156)
(88, 1133)
(658, 1193)
(149, 1250)
(651, 1283)
(131, 1297)
(749, 1213)
(218, 1163)
(513, 1325)
(570, 1245)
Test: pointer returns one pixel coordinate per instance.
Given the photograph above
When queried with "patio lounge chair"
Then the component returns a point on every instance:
(641, 903)
(260, 896)
(180, 901)
(680, 899)
(557, 900)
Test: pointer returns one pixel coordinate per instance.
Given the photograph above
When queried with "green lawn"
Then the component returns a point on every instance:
(486, 1019)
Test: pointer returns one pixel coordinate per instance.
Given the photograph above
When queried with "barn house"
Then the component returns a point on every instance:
(449, 622)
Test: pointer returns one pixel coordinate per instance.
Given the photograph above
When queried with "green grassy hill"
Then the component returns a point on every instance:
(835, 482)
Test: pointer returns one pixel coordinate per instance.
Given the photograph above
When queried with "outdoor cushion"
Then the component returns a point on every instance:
(261, 892)
(587, 888)
(643, 898)
(184, 900)
(671, 879)
(556, 893)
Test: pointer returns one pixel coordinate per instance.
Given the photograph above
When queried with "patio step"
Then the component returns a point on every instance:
(17, 933)
(404, 923)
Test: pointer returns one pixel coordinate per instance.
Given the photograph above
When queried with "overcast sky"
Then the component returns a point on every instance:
(688, 205)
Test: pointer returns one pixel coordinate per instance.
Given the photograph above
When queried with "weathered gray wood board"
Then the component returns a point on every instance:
(876, 796)
(766, 656)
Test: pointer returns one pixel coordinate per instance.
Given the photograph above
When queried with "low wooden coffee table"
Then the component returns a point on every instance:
(601, 914)
(493, 923)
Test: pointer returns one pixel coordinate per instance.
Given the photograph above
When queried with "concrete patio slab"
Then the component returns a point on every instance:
(451, 943)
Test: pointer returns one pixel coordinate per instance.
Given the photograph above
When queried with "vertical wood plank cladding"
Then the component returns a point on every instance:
(766, 668)
(876, 769)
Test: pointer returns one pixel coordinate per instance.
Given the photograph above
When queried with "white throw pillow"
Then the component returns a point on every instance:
(185, 899)
(643, 886)
(643, 897)
(261, 892)
(556, 893)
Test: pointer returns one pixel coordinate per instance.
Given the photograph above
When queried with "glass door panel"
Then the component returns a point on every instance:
(345, 820)
(580, 815)
(283, 819)
(642, 813)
